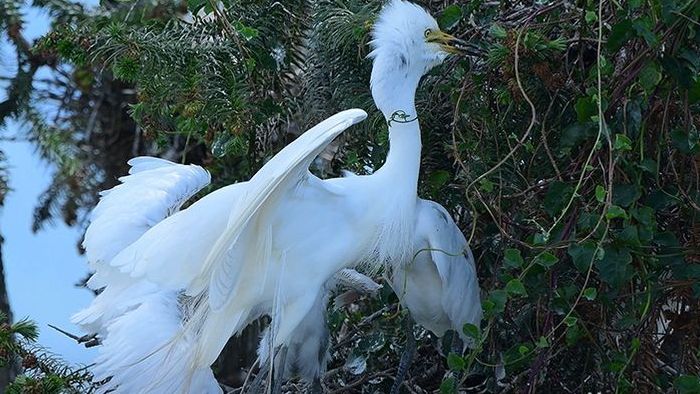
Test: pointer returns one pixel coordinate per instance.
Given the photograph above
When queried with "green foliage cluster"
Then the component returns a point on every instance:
(568, 154)
(40, 371)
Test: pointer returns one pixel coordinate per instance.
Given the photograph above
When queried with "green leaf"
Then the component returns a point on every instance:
(516, 287)
(582, 254)
(585, 109)
(591, 16)
(630, 236)
(590, 293)
(615, 212)
(455, 362)
(438, 179)
(448, 386)
(615, 267)
(247, 32)
(600, 193)
(546, 259)
(574, 134)
(450, 17)
(486, 185)
(570, 321)
(622, 142)
(512, 258)
(523, 350)
(497, 300)
(649, 77)
(686, 141)
(558, 195)
(471, 331)
(687, 384)
(625, 194)
(542, 343)
(620, 34)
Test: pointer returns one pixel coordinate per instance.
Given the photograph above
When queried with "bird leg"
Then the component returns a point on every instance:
(406, 357)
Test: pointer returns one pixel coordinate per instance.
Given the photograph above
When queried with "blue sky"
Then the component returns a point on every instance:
(40, 269)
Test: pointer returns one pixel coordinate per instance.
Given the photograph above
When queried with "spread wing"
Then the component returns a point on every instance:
(284, 171)
(224, 232)
(153, 190)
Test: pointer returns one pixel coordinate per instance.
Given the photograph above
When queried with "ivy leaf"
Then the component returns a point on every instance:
(471, 331)
(625, 194)
(486, 185)
(591, 16)
(450, 17)
(582, 254)
(496, 301)
(455, 362)
(590, 293)
(615, 266)
(622, 142)
(558, 195)
(448, 386)
(542, 343)
(687, 384)
(516, 287)
(620, 34)
(615, 212)
(585, 108)
(546, 259)
(600, 193)
(438, 179)
(512, 258)
(649, 77)
(570, 321)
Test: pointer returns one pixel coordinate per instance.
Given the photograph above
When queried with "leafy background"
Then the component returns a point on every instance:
(568, 154)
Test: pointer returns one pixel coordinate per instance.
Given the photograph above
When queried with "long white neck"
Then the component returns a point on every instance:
(394, 82)
(393, 89)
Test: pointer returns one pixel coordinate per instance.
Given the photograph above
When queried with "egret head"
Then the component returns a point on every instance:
(406, 43)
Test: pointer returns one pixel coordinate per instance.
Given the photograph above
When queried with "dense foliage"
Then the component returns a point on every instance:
(568, 153)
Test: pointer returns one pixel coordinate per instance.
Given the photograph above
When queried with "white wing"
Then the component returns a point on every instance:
(455, 264)
(203, 249)
(154, 190)
(285, 170)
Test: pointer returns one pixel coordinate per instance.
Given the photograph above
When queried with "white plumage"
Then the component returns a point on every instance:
(175, 292)
(306, 350)
(439, 286)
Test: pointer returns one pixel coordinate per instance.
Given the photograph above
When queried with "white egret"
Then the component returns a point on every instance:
(266, 246)
(439, 287)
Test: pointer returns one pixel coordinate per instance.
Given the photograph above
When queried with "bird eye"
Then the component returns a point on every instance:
(427, 32)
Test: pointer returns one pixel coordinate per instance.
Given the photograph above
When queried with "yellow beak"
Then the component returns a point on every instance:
(449, 43)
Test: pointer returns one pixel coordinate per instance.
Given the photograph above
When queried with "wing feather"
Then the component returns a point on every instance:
(282, 172)
(154, 190)
(455, 264)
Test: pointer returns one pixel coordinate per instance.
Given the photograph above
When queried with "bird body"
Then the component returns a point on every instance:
(439, 286)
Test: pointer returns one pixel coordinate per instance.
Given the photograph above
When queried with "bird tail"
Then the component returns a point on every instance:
(147, 350)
